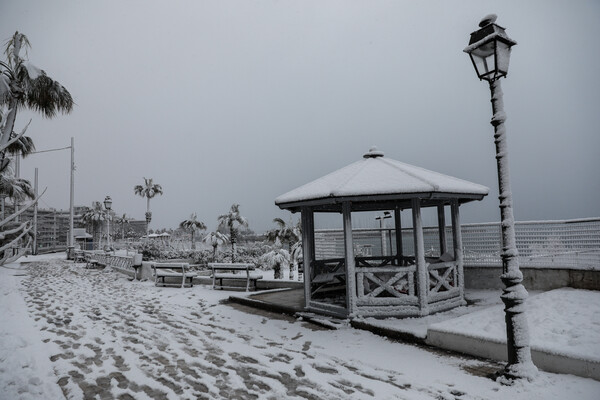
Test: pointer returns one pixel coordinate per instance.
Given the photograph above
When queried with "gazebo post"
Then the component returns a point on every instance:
(398, 226)
(442, 229)
(457, 240)
(308, 249)
(349, 252)
(422, 272)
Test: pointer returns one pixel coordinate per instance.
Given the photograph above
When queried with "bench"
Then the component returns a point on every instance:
(91, 262)
(78, 256)
(172, 270)
(248, 276)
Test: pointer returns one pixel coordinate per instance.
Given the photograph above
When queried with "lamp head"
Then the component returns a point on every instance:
(489, 49)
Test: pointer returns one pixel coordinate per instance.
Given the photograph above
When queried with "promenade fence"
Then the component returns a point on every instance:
(570, 244)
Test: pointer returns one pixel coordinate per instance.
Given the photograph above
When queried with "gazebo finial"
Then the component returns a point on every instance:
(373, 153)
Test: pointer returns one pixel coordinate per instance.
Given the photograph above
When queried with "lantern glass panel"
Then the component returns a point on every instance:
(485, 65)
(484, 58)
(503, 55)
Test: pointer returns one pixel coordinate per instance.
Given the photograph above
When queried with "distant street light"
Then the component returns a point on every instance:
(489, 49)
(381, 219)
(108, 206)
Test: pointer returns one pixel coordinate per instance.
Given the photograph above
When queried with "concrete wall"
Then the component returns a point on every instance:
(544, 360)
(475, 278)
(533, 278)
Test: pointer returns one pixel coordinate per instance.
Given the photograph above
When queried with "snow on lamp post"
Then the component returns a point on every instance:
(489, 49)
(108, 206)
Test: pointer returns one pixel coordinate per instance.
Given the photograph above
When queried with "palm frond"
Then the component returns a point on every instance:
(46, 96)
(14, 46)
(23, 145)
(149, 189)
(192, 224)
(16, 188)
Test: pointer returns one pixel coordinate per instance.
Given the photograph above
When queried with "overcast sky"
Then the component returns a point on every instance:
(227, 102)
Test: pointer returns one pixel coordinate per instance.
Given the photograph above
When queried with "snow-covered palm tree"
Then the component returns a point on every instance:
(275, 259)
(10, 184)
(149, 190)
(232, 221)
(215, 239)
(15, 188)
(192, 224)
(122, 220)
(25, 86)
(296, 256)
(284, 233)
(95, 217)
(22, 86)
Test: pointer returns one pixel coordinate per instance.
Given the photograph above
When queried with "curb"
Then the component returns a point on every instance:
(387, 332)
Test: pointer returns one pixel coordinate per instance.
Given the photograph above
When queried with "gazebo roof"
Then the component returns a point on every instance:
(376, 178)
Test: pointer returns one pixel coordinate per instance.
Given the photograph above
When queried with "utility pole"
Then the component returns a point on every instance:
(35, 213)
(54, 231)
(17, 175)
(72, 196)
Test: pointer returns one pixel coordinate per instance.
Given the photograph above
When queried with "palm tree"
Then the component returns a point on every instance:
(192, 224)
(15, 188)
(25, 86)
(296, 256)
(275, 259)
(94, 216)
(215, 239)
(22, 146)
(284, 233)
(148, 190)
(232, 220)
(22, 86)
(122, 220)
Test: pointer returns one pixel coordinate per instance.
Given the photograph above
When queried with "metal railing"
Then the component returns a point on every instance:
(124, 262)
(570, 244)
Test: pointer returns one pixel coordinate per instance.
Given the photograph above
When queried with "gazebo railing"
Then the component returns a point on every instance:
(382, 281)
(370, 262)
(443, 281)
(327, 266)
(328, 280)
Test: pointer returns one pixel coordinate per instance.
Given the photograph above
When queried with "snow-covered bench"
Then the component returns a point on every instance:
(78, 256)
(249, 277)
(172, 270)
(92, 262)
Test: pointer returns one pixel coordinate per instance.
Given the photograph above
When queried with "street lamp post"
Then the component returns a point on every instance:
(381, 219)
(108, 206)
(489, 49)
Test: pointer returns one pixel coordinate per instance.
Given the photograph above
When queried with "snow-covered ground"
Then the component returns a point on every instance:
(477, 300)
(95, 334)
(563, 321)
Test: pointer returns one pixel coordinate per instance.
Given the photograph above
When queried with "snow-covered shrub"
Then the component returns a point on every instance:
(247, 254)
(150, 251)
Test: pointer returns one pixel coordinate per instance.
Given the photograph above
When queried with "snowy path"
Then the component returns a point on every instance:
(110, 338)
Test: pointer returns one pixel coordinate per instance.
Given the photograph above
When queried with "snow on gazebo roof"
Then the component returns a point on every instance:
(376, 175)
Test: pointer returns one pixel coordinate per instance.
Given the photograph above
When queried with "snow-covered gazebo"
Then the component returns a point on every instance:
(399, 284)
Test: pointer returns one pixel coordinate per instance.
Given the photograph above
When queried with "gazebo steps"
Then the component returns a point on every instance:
(323, 321)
